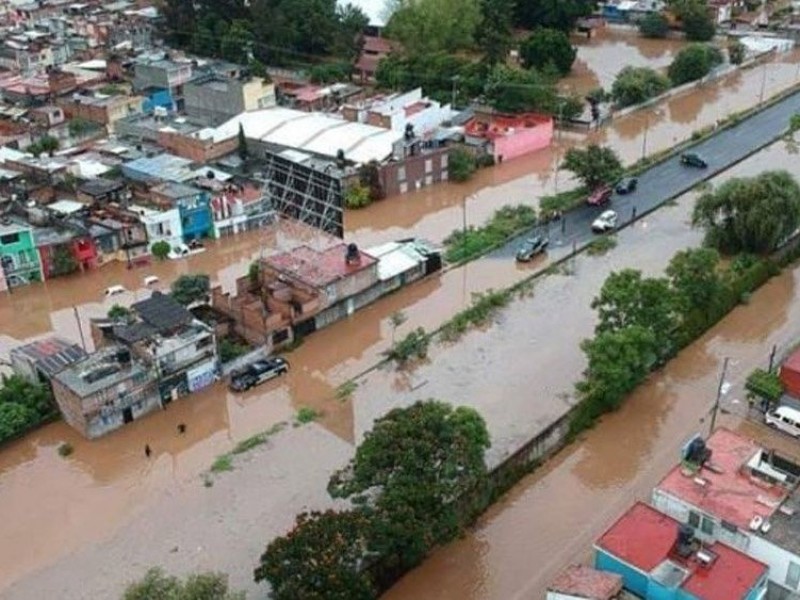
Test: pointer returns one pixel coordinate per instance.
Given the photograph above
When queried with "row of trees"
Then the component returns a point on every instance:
(634, 85)
(643, 321)
(694, 16)
(407, 486)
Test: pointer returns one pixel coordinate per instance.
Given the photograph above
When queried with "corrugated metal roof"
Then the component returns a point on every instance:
(49, 355)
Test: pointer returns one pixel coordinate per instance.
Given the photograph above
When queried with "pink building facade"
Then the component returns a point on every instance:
(510, 136)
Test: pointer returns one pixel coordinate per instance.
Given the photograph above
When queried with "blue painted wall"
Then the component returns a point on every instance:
(196, 218)
(632, 579)
(158, 98)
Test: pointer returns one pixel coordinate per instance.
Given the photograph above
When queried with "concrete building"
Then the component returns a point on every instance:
(730, 490)
(105, 390)
(41, 360)
(236, 208)
(162, 74)
(508, 136)
(18, 256)
(214, 98)
(303, 290)
(101, 109)
(194, 208)
(398, 111)
(156, 169)
(658, 560)
(161, 225)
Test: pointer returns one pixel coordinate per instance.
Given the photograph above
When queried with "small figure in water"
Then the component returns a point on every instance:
(147, 451)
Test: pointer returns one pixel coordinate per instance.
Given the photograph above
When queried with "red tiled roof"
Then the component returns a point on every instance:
(319, 269)
(644, 538)
(728, 493)
(585, 582)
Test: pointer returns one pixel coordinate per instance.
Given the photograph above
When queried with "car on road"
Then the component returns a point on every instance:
(599, 196)
(607, 221)
(531, 247)
(627, 185)
(693, 159)
(257, 373)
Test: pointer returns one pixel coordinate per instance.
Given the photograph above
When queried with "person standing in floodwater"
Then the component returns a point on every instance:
(147, 451)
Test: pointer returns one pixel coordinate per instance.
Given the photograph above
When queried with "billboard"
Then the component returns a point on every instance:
(308, 195)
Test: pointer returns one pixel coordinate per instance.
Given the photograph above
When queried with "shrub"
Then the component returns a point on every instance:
(654, 25)
(737, 52)
(461, 165)
(65, 449)
(694, 62)
(507, 221)
(634, 85)
(765, 384)
(307, 415)
(357, 196)
(414, 345)
(230, 350)
(160, 249)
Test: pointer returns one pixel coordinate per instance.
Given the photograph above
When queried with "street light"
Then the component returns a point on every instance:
(656, 113)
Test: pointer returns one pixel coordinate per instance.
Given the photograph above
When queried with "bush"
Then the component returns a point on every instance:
(737, 52)
(23, 405)
(484, 306)
(634, 85)
(507, 221)
(357, 196)
(548, 48)
(160, 249)
(119, 313)
(694, 62)
(65, 449)
(414, 345)
(307, 415)
(230, 350)
(654, 25)
(461, 165)
(765, 385)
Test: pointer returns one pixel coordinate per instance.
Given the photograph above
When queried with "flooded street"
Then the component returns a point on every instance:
(104, 505)
(552, 517)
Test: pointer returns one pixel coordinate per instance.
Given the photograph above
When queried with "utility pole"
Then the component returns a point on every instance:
(772, 358)
(80, 327)
(644, 139)
(719, 396)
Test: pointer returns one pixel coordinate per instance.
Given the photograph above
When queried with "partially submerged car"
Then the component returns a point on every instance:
(257, 373)
(531, 247)
(607, 221)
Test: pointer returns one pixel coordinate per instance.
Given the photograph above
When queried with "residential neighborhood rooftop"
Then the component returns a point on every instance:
(101, 370)
(583, 582)
(162, 312)
(318, 268)
(646, 538)
(51, 354)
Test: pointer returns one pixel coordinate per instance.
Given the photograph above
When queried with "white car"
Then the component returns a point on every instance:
(607, 221)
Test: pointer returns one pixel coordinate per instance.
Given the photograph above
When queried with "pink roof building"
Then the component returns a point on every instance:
(510, 136)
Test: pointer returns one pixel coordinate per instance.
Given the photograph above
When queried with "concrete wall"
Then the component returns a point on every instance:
(415, 172)
(195, 149)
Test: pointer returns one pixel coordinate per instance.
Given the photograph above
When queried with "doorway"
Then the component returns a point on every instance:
(127, 415)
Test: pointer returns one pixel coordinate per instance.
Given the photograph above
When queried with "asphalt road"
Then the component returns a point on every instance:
(670, 179)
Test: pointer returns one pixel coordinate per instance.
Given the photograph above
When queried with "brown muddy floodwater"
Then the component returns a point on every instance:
(551, 518)
(434, 212)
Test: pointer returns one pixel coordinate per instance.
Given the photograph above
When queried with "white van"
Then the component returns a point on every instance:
(784, 418)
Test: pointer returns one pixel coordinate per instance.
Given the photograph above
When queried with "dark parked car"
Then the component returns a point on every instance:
(257, 373)
(627, 185)
(693, 159)
(599, 196)
(531, 247)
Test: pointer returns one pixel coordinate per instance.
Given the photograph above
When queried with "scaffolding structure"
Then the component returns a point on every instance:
(306, 194)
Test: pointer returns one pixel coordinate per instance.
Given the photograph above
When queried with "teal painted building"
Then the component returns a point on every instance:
(658, 560)
(19, 258)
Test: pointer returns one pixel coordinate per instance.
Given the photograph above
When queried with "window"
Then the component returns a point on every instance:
(401, 174)
(429, 166)
(11, 238)
(444, 160)
(694, 519)
(707, 526)
(793, 575)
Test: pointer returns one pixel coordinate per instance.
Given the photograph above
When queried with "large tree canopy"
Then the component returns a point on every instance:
(548, 47)
(494, 33)
(594, 166)
(694, 62)
(634, 85)
(753, 214)
(558, 14)
(424, 26)
(203, 586)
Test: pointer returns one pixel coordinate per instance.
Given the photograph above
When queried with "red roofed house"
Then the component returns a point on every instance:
(295, 293)
(509, 136)
(659, 559)
(741, 495)
(373, 50)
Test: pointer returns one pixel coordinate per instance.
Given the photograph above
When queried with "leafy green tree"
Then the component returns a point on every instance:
(119, 313)
(349, 35)
(694, 62)
(180, 20)
(696, 280)
(443, 76)
(64, 262)
(634, 85)
(23, 404)
(15, 419)
(753, 215)
(737, 52)
(330, 72)
(555, 14)
(79, 126)
(618, 362)
(424, 26)
(48, 144)
(548, 47)
(627, 299)
(494, 36)
(461, 165)
(235, 45)
(517, 90)
(357, 196)
(410, 469)
(203, 586)
(697, 22)
(190, 288)
(654, 25)
(369, 176)
(257, 69)
(320, 559)
(241, 148)
(594, 166)
(160, 249)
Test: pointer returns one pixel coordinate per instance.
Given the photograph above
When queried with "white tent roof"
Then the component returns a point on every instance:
(312, 132)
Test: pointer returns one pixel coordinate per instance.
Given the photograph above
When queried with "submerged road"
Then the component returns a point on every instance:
(669, 179)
